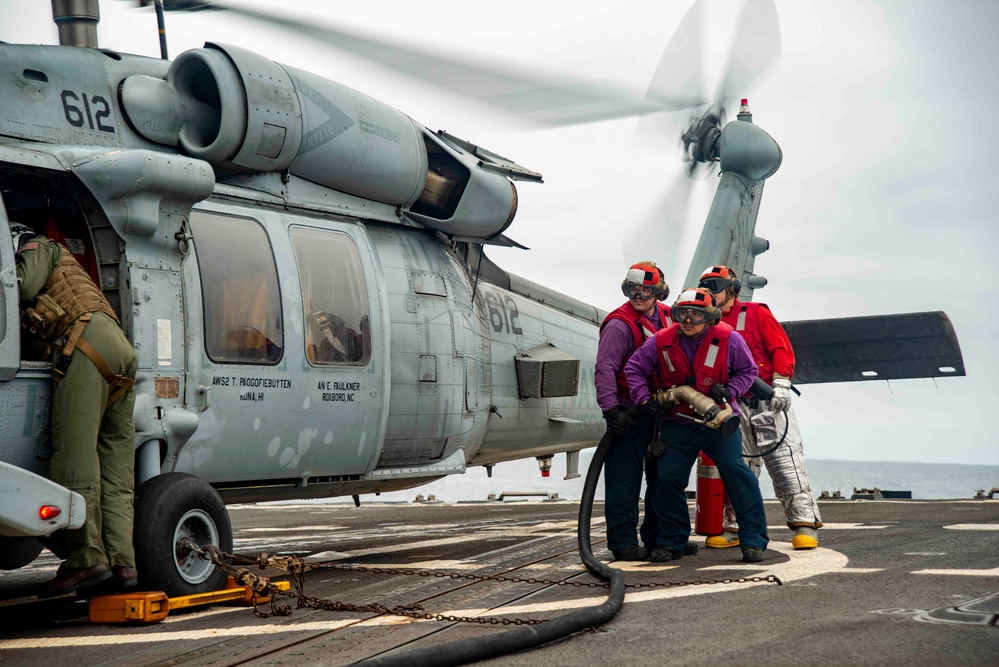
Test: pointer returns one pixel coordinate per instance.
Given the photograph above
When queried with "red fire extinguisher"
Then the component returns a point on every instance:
(710, 498)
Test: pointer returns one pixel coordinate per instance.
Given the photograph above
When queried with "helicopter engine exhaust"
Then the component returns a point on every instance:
(244, 113)
(77, 22)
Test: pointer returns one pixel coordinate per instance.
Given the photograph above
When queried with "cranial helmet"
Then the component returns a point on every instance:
(716, 278)
(698, 304)
(20, 233)
(646, 274)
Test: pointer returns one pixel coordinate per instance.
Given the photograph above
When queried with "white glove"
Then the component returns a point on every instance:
(781, 400)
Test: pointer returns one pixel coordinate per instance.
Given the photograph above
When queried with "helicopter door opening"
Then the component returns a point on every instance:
(10, 340)
(52, 205)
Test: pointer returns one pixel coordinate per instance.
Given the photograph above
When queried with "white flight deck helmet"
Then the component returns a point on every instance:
(20, 233)
(646, 274)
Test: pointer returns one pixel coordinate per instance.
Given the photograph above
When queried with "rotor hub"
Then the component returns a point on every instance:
(699, 141)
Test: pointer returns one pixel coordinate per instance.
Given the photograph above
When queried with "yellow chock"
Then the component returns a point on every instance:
(153, 607)
(129, 608)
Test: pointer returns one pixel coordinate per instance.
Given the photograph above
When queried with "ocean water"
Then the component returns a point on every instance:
(924, 480)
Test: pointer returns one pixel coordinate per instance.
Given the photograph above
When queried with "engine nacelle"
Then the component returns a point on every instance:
(243, 112)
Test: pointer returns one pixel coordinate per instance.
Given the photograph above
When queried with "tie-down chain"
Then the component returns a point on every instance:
(297, 568)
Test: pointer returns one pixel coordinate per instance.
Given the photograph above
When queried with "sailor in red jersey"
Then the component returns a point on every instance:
(763, 423)
(704, 354)
(621, 333)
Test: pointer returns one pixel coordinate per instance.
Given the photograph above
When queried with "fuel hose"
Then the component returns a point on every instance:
(491, 646)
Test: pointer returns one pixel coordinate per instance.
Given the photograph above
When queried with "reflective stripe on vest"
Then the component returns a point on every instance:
(712, 355)
(740, 324)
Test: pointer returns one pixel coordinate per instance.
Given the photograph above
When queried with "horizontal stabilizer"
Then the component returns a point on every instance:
(878, 347)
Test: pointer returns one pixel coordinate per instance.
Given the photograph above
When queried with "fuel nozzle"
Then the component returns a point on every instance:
(712, 415)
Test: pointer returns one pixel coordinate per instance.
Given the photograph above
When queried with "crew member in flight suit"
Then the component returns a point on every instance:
(621, 333)
(701, 352)
(65, 315)
(763, 423)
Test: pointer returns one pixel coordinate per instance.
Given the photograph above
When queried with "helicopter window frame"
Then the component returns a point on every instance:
(234, 273)
(336, 333)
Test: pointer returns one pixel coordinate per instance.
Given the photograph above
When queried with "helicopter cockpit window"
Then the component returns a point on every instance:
(239, 284)
(334, 296)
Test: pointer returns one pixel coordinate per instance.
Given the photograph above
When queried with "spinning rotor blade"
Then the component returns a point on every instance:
(755, 49)
(752, 50)
(680, 71)
(549, 99)
(663, 231)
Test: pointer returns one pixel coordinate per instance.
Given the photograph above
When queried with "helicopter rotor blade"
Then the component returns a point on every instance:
(664, 229)
(679, 74)
(553, 99)
(755, 49)
(755, 46)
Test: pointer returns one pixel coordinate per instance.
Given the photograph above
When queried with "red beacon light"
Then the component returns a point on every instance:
(47, 512)
(545, 464)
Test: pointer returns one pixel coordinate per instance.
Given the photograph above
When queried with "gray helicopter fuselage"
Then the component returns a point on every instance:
(294, 339)
(437, 390)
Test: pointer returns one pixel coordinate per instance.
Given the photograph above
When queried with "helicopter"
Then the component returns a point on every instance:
(301, 269)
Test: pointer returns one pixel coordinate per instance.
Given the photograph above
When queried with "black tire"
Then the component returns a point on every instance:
(171, 506)
(16, 552)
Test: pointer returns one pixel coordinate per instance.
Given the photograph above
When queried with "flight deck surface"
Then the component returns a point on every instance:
(892, 582)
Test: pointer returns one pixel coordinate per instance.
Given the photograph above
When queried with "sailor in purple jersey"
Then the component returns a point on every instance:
(705, 354)
(621, 333)
(740, 360)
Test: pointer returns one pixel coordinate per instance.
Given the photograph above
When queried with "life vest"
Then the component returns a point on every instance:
(744, 317)
(710, 361)
(642, 328)
(67, 295)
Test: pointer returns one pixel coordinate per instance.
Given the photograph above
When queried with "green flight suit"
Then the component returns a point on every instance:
(93, 443)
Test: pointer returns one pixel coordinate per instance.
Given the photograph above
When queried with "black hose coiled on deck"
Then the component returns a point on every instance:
(491, 646)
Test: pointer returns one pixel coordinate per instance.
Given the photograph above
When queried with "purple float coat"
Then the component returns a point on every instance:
(616, 343)
(642, 366)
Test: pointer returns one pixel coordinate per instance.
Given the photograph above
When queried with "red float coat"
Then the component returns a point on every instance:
(642, 328)
(710, 362)
(765, 337)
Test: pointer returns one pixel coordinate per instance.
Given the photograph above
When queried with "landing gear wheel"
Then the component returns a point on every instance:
(169, 508)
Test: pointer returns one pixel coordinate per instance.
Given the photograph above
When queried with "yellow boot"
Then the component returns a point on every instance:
(805, 537)
(723, 541)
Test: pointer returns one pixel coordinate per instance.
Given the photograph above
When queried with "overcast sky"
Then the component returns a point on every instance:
(884, 111)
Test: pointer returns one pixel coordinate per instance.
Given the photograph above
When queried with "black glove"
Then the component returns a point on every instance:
(654, 408)
(720, 393)
(619, 420)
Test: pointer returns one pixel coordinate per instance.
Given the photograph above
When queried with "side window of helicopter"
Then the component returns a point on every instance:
(239, 285)
(334, 297)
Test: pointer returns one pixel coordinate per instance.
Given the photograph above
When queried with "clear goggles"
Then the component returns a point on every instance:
(690, 314)
(714, 285)
(644, 292)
